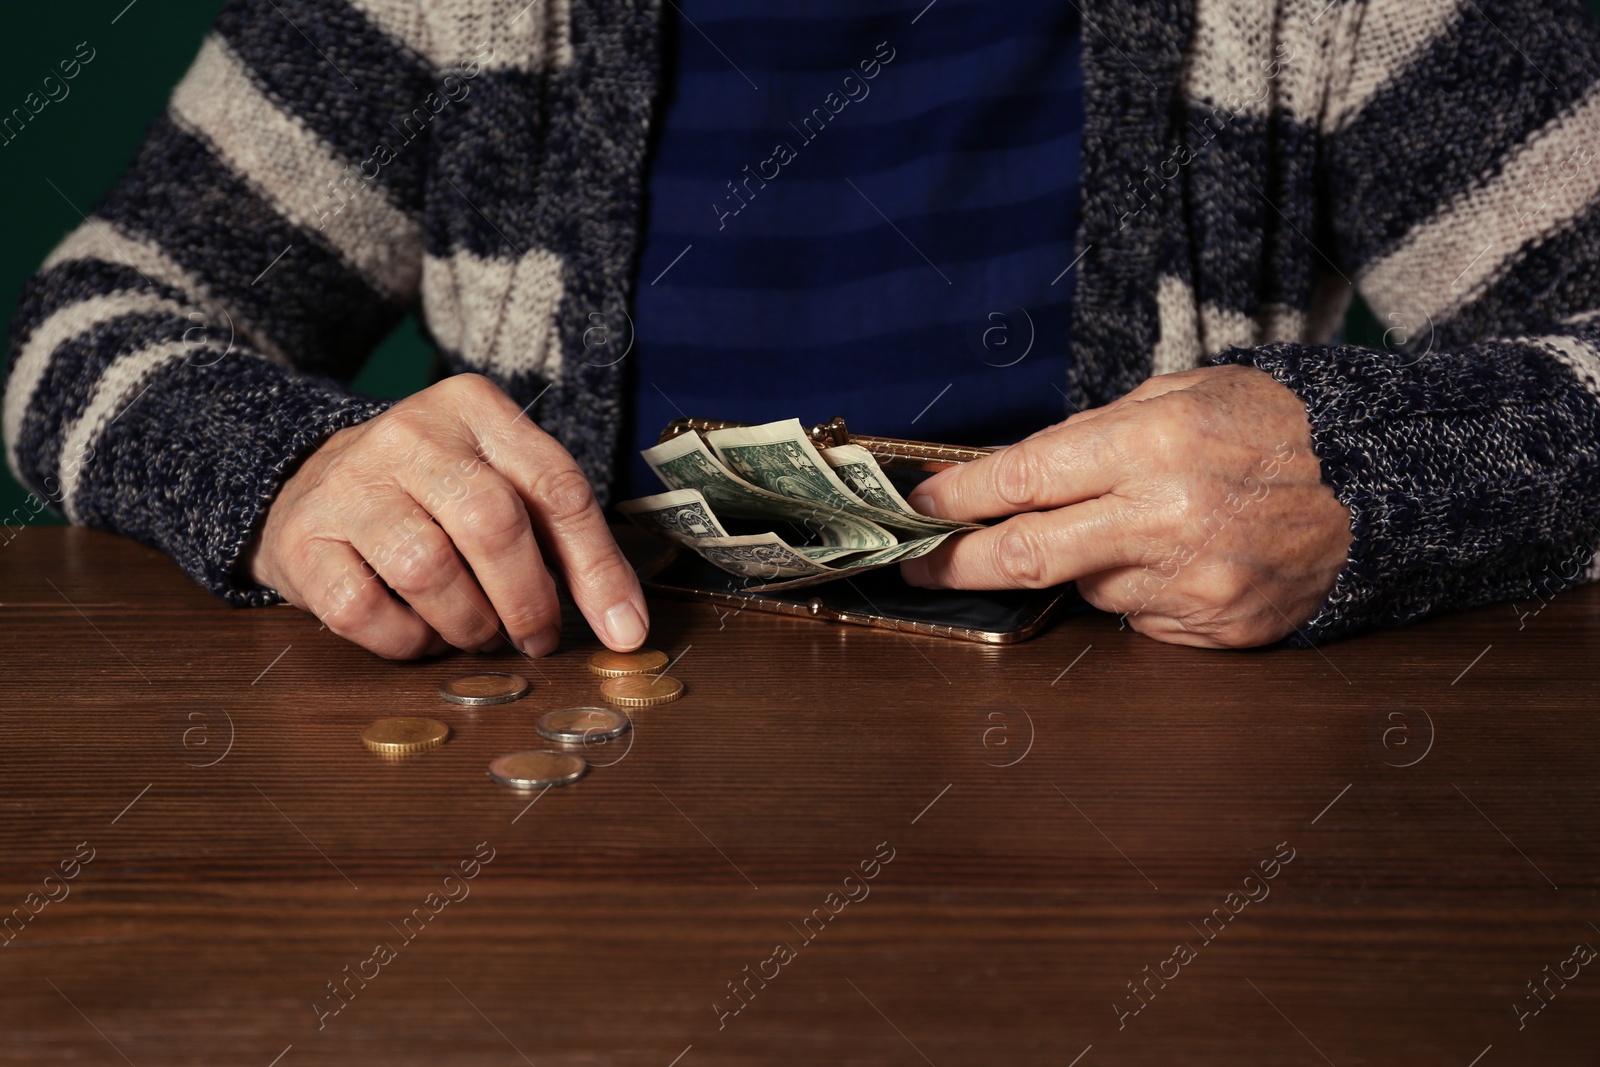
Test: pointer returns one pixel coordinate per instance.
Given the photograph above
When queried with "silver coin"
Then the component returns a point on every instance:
(536, 769)
(493, 687)
(577, 726)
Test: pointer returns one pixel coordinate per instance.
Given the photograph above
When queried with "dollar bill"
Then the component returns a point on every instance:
(680, 515)
(773, 473)
(685, 462)
(780, 458)
(762, 556)
(684, 516)
(884, 557)
(775, 565)
(859, 471)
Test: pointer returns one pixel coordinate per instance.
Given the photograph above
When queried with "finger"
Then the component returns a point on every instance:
(1135, 593)
(1157, 602)
(488, 523)
(1061, 466)
(1031, 551)
(335, 584)
(1171, 631)
(569, 524)
(1034, 551)
(415, 557)
(601, 580)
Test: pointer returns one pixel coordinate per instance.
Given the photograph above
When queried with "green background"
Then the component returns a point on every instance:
(83, 142)
(65, 159)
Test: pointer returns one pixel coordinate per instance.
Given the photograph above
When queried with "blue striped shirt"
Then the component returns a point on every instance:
(860, 208)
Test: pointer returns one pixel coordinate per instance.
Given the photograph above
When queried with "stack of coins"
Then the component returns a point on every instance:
(634, 679)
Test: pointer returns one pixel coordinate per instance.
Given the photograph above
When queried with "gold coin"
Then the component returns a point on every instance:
(399, 737)
(609, 664)
(641, 690)
(536, 770)
(491, 688)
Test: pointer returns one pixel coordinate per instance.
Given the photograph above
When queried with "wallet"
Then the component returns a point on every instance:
(879, 598)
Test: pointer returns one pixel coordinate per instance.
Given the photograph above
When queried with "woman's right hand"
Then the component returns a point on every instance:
(456, 500)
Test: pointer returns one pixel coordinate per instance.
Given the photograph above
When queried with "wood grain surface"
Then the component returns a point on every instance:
(1061, 815)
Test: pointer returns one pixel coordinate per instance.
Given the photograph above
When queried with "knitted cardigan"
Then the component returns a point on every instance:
(326, 165)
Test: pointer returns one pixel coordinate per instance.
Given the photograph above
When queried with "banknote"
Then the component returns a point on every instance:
(838, 503)
(762, 556)
(775, 565)
(685, 462)
(684, 515)
(780, 458)
(679, 515)
(859, 471)
(884, 557)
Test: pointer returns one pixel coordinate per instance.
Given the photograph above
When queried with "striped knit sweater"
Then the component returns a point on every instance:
(327, 164)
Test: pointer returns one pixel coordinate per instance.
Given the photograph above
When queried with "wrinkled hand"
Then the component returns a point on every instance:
(454, 477)
(1194, 506)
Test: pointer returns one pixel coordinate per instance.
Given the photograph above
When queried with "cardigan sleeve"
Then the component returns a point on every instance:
(191, 341)
(1464, 202)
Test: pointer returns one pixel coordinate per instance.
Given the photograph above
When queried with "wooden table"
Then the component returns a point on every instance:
(1058, 816)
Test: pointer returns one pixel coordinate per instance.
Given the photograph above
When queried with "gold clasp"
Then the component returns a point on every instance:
(832, 432)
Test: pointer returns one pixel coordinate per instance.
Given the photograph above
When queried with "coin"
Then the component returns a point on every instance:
(535, 770)
(582, 725)
(641, 690)
(492, 688)
(399, 737)
(609, 664)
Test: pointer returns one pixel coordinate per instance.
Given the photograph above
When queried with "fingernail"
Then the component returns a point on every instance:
(923, 502)
(541, 643)
(491, 644)
(624, 625)
(915, 571)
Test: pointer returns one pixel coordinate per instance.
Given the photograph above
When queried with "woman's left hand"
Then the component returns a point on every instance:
(1194, 506)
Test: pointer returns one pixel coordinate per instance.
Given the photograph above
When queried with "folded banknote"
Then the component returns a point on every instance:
(828, 513)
